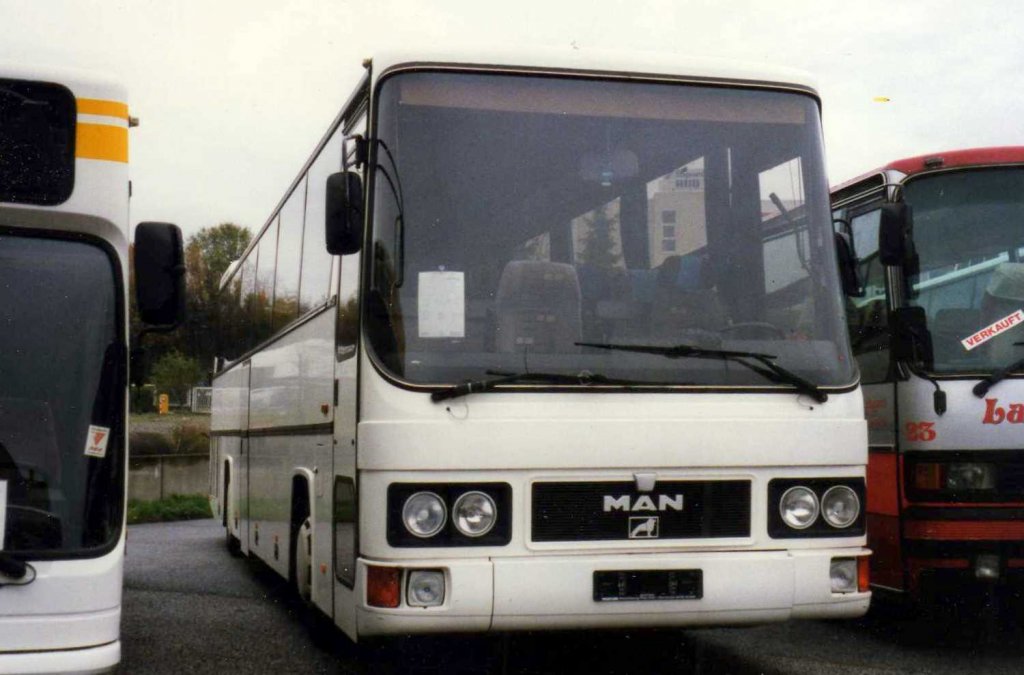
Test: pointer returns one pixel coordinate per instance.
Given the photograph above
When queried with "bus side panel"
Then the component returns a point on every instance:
(291, 412)
(883, 519)
(229, 463)
(883, 507)
(342, 496)
(228, 423)
(271, 459)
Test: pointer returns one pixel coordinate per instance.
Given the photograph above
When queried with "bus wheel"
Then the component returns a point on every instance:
(304, 561)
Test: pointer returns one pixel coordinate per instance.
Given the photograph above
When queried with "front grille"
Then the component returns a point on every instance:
(616, 510)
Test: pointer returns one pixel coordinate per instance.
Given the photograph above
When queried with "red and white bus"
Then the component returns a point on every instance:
(937, 332)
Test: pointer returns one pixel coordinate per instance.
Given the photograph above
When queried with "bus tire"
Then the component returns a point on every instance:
(303, 544)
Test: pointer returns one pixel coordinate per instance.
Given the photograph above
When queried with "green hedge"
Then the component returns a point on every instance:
(175, 507)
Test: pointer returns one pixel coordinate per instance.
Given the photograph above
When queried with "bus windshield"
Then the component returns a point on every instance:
(515, 217)
(61, 385)
(969, 239)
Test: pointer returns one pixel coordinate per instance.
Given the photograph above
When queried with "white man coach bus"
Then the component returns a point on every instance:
(64, 194)
(578, 358)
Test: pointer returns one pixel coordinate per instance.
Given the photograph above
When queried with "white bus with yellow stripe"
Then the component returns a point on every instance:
(64, 233)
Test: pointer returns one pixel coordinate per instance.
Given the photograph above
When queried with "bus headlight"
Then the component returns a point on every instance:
(970, 476)
(424, 514)
(426, 588)
(843, 575)
(840, 506)
(799, 507)
(474, 514)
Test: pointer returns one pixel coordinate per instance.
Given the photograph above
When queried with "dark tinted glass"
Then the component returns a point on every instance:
(289, 257)
(515, 217)
(37, 142)
(263, 303)
(63, 378)
(316, 261)
(970, 243)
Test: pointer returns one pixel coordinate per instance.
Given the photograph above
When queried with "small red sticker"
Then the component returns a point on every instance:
(96, 441)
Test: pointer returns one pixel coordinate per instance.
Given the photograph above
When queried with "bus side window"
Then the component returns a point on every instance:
(314, 288)
(289, 258)
(263, 304)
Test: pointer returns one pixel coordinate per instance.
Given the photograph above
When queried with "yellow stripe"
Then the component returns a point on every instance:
(93, 106)
(101, 141)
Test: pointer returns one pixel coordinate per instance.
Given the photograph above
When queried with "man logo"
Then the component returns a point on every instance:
(643, 503)
(643, 527)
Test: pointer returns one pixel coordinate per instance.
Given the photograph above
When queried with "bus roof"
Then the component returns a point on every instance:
(83, 84)
(629, 63)
(1009, 154)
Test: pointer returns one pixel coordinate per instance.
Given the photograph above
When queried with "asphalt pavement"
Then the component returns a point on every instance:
(189, 607)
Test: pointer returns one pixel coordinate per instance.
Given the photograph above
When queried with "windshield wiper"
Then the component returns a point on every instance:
(477, 386)
(998, 376)
(767, 368)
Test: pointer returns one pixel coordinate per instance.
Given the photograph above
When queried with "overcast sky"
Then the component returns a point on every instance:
(233, 95)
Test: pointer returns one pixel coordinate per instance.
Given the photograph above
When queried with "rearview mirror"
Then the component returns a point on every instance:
(159, 274)
(343, 225)
(895, 242)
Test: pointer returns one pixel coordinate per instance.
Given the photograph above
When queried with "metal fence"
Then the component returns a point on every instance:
(201, 399)
(152, 477)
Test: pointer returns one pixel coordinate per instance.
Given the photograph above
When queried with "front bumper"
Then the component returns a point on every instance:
(556, 592)
(93, 660)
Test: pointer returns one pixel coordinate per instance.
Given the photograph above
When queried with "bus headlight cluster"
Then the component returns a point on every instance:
(840, 506)
(815, 507)
(799, 507)
(436, 514)
(474, 514)
(424, 514)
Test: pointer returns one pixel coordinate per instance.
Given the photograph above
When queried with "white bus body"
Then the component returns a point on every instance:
(64, 192)
(622, 489)
(68, 618)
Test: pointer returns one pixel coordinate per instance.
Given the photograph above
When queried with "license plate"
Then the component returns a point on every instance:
(618, 585)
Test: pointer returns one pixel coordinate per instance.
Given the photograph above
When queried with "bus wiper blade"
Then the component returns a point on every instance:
(767, 368)
(987, 383)
(502, 377)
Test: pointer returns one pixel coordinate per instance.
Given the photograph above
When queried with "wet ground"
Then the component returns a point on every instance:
(190, 607)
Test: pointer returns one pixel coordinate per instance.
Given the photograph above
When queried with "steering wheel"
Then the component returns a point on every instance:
(752, 329)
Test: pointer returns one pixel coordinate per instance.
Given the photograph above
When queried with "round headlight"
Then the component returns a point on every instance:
(840, 506)
(474, 514)
(424, 514)
(799, 507)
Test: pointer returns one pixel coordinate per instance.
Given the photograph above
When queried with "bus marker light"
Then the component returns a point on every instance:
(863, 574)
(383, 586)
(426, 588)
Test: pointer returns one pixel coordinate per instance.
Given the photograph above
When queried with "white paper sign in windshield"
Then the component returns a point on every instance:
(989, 332)
(442, 304)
